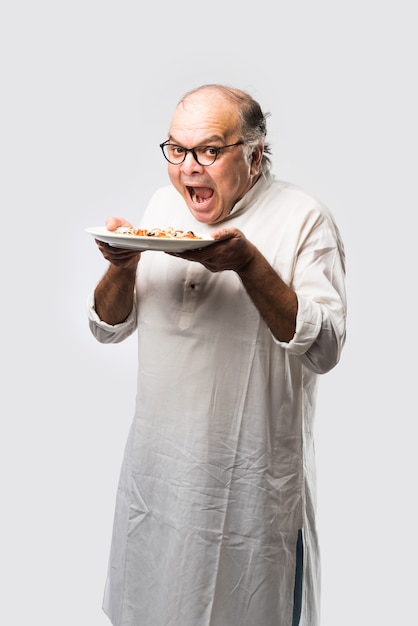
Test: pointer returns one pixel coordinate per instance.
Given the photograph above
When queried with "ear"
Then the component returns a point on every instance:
(256, 157)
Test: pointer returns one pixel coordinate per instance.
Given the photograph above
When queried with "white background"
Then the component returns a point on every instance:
(88, 89)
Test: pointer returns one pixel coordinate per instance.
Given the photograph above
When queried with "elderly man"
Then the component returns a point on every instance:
(215, 512)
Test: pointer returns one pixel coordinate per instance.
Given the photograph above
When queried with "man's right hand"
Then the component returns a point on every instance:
(125, 258)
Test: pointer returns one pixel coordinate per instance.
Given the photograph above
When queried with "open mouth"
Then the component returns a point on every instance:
(200, 195)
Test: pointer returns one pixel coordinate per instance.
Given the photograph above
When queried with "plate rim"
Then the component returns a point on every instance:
(141, 241)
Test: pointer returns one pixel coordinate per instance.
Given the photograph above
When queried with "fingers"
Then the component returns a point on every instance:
(121, 257)
(112, 223)
(226, 233)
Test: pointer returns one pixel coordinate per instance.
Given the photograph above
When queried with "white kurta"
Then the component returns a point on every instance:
(219, 469)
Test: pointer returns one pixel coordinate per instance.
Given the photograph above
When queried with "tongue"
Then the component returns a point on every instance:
(203, 192)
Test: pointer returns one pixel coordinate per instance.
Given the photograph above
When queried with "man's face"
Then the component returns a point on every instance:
(211, 191)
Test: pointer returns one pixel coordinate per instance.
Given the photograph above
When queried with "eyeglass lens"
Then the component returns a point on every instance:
(204, 155)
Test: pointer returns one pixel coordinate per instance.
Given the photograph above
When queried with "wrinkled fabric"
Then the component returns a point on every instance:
(218, 475)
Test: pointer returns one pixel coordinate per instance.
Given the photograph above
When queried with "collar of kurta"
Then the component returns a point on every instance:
(252, 195)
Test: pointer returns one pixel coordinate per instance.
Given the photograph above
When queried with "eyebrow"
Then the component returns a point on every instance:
(208, 142)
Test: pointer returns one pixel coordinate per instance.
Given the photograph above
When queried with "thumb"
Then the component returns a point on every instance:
(112, 223)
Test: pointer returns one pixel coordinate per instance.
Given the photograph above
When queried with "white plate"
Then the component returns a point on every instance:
(138, 242)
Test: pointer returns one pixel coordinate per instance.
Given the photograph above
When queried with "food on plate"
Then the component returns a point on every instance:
(169, 232)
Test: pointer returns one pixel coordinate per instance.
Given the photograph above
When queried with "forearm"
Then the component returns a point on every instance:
(274, 299)
(114, 294)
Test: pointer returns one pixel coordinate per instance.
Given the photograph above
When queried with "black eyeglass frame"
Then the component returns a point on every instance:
(193, 151)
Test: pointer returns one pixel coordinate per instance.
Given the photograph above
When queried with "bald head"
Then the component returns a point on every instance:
(208, 107)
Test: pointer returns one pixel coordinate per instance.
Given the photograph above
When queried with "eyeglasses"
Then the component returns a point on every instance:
(204, 155)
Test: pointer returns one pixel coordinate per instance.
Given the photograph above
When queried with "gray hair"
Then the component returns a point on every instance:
(253, 126)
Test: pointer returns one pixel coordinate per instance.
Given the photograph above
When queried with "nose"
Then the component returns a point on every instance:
(190, 164)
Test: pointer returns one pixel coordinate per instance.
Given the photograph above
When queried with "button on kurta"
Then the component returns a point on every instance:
(190, 299)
